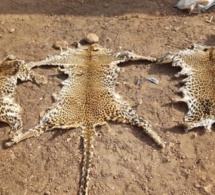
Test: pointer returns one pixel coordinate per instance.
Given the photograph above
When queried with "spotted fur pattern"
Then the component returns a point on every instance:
(88, 98)
(198, 64)
(10, 71)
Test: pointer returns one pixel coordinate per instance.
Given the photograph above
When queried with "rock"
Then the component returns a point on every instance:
(47, 193)
(197, 185)
(208, 188)
(60, 45)
(42, 114)
(91, 38)
(11, 57)
(139, 101)
(176, 29)
(12, 30)
(193, 135)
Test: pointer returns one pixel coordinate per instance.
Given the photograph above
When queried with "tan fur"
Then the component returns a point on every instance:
(10, 71)
(198, 64)
(88, 98)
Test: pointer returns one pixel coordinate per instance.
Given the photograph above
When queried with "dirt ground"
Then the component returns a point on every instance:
(126, 161)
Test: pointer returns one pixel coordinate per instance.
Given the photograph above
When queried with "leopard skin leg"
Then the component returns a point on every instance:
(125, 114)
(11, 114)
(130, 56)
(19, 136)
(46, 124)
(39, 79)
(26, 73)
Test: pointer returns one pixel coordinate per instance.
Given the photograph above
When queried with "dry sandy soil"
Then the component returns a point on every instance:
(126, 161)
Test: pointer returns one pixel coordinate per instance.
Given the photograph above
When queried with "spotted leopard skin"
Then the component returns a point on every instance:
(10, 71)
(198, 64)
(88, 98)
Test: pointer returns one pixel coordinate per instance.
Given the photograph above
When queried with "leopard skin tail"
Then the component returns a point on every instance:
(88, 136)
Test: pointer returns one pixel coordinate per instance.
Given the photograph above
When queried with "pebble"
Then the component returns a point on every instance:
(11, 57)
(42, 114)
(91, 38)
(193, 135)
(176, 29)
(208, 188)
(139, 101)
(108, 40)
(60, 45)
(197, 185)
(12, 30)
(47, 193)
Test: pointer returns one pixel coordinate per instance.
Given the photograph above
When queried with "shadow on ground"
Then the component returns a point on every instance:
(89, 7)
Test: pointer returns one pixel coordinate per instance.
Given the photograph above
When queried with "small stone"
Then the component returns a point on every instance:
(193, 135)
(47, 193)
(42, 114)
(203, 178)
(176, 29)
(11, 57)
(92, 38)
(60, 45)
(208, 188)
(1, 35)
(197, 185)
(108, 40)
(139, 101)
(12, 30)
